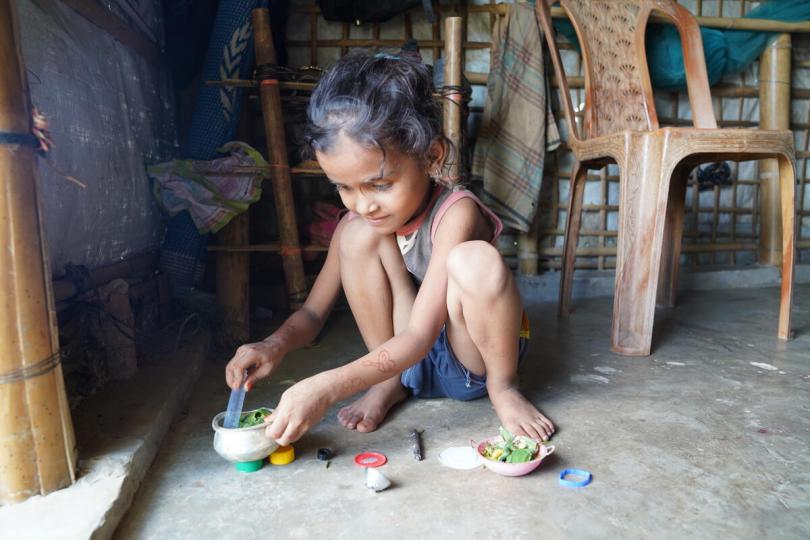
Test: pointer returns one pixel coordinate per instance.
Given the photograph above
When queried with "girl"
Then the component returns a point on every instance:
(436, 306)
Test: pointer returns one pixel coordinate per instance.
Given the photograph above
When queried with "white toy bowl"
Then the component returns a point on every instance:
(241, 444)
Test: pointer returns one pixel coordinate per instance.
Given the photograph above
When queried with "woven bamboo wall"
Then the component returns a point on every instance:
(721, 226)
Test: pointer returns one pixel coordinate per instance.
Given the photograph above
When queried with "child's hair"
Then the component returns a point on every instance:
(378, 102)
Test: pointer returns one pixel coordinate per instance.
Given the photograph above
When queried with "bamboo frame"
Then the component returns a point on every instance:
(741, 199)
(37, 444)
(480, 79)
(691, 248)
(727, 23)
(453, 102)
(233, 269)
(280, 170)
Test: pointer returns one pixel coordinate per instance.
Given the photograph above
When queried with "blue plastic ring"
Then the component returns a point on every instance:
(587, 477)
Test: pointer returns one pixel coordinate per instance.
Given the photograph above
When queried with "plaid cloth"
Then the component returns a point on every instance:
(518, 125)
(211, 191)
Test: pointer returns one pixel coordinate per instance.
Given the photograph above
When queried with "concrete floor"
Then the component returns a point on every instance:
(708, 438)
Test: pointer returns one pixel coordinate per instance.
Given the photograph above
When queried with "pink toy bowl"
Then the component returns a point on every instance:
(512, 469)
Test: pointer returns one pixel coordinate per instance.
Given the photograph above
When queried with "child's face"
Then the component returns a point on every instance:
(387, 193)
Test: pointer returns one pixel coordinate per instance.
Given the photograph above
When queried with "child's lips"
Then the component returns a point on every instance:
(376, 221)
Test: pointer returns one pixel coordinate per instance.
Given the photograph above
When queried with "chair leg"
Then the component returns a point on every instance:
(673, 235)
(573, 220)
(644, 190)
(787, 184)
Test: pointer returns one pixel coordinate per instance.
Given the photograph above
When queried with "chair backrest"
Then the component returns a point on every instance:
(618, 93)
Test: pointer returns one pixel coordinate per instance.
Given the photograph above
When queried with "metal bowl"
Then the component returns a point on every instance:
(241, 444)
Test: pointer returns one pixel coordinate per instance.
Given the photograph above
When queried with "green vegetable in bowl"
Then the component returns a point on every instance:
(254, 418)
(511, 448)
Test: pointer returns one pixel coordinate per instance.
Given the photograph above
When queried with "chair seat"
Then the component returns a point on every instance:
(691, 146)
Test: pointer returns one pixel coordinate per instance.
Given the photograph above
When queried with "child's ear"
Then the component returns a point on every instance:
(437, 154)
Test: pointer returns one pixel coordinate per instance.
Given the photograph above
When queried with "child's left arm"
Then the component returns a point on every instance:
(303, 405)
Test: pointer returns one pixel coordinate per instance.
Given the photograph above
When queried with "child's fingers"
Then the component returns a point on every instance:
(276, 426)
(259, 373)
(233, 375)
(291, 434)
(283, 429)
(230, 375)
(244, 360)
(251, 378)
(233, 369)
(268, 420)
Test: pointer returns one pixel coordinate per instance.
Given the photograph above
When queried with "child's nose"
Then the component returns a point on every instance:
(365, 205)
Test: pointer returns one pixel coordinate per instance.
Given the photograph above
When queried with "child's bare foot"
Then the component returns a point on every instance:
(519, 416)
(368, 412)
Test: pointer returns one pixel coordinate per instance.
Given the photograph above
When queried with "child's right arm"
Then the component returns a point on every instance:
(302, 327)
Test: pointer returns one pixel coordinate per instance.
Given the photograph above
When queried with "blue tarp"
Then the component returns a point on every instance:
(213, 123)
(726, 51)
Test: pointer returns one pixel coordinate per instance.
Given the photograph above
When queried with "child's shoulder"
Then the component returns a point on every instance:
(460, 206)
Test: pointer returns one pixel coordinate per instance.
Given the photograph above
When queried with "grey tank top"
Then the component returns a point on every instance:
(415, 240)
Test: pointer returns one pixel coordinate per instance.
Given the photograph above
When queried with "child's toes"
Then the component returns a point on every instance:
(368, 423)
(535, 432)
(348, 418)
(542, 430)
(545, 424)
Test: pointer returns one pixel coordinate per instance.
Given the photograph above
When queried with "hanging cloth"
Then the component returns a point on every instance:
(213, 192)
(518, 125)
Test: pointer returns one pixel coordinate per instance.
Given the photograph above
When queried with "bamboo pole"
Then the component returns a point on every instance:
(453, 101)
(434, 43)
(37, 445)
(609, 251)
(527, 250)
(480, 78)
(729, 23)
(233, 281)
(233, 269)
(279, 166)
(774, 113)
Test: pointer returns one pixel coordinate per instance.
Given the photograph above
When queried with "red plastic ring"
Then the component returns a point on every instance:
(370, 459)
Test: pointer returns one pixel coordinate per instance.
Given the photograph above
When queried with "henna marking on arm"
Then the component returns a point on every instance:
(384, 363)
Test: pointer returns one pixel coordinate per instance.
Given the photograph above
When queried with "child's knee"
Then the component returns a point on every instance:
(357, 241)
(477, 266)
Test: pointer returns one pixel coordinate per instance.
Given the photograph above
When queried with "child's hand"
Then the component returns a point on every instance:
(260, 359)
(302, 406)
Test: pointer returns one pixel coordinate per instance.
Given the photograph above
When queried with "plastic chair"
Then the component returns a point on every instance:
(621, 126)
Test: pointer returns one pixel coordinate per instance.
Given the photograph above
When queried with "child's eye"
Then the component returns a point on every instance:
(382, 187)
(340, 187)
